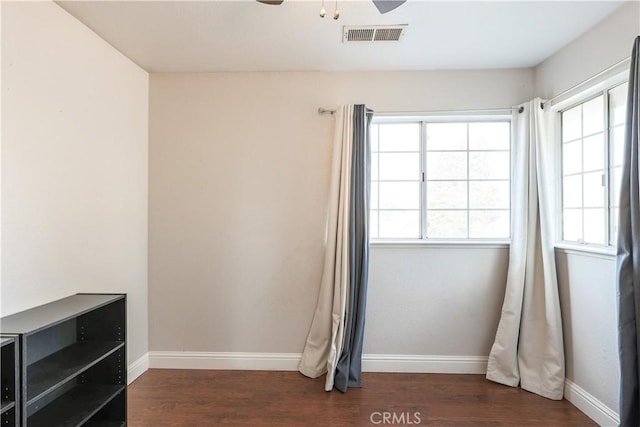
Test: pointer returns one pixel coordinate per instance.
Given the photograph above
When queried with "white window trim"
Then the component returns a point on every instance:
(613, 76)
(608, 252)
(440, 244)
(489, 115)
(617, 75)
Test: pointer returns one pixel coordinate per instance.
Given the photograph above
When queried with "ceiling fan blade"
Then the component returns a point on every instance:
(385, 6)
(271, 2)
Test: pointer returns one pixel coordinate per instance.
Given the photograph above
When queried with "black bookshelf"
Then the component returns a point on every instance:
(73, 361)
(10, 403)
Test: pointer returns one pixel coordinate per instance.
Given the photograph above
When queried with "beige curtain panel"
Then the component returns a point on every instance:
(528, 348)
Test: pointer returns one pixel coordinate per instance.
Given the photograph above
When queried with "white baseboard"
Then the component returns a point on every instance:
(137, 368)
(592, 407)
(424, 364)
(224, 360)
(289, 362)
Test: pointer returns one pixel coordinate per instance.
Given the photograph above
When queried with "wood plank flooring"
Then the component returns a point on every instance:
(258, 398)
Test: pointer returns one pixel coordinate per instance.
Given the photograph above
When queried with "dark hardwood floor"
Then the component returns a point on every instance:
(258, 398)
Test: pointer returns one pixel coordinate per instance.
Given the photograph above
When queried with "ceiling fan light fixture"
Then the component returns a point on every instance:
(385, 6)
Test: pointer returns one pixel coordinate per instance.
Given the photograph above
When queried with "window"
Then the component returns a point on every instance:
(592, 142)
(435, 179)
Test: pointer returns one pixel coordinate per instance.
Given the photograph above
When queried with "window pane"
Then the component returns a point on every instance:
(373, 224)
(613, 214)
(446, 165)
(615, 180)
(451, 224)
(489, 136)
(593, 153)
(489, 224)
(374, 137)
(400, 224)
(455, 175)
(594, 226)
(593, 116)
(572, 124)
(489, 195)
(489, 165)
(374, 167)
(616, 140)
(572, 191)
(618, 104)
(399, 195)
(373, 202)
(446, 136)
(446, 195)
(399, 166)
(572, 224)
(593, 194)
(572, 157)
(584, 161)
(399, 137)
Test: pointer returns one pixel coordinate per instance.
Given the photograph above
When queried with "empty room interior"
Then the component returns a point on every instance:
(317, 212)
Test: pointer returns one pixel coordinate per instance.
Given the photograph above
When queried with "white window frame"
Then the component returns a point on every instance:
(447, 117)
(557, 106)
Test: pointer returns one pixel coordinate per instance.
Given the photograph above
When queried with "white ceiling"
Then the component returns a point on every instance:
(244, 35)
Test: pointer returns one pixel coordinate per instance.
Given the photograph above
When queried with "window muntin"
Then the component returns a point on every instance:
(451, 182)
(617, 120)
(592, 135)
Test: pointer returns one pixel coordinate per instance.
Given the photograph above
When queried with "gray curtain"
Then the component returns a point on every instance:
(349, 367)
(334, 341)
(628, 257)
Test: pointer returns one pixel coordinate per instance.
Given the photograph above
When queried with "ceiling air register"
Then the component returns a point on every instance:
(373, 33)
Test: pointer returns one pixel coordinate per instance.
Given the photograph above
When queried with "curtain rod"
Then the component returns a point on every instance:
(445, 112)
(520, 109)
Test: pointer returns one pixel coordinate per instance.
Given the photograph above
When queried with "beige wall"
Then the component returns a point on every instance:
(594, 51)
(239, 174)
(435, 301)
(589, 314)
(74, 166)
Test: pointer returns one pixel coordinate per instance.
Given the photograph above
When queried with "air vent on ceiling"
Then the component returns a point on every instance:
(373, 33)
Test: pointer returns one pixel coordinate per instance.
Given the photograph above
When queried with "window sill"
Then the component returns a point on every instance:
(605, 252)
(441, 244)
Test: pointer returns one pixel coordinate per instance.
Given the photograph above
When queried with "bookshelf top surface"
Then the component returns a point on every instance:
(43, 316)
(6, 340)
